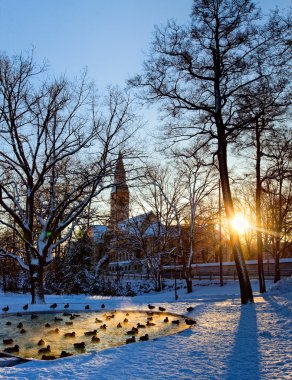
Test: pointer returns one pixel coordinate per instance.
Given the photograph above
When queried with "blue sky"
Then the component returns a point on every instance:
(106, 36)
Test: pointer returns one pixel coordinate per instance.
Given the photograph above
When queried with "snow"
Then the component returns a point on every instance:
(230, 340)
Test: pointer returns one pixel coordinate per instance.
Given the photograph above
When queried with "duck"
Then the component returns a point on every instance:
(103, 306)
(143, 338)
(127, 314)
(53, 306)
(140, 326)
(95, 339)
(72, 317)
(149, 312)
(131, 340)
(149, 318)
(70, 334)
(22, 331)
(45, 350)
(12, 350)
(25, 307)
(150, 324)
(69, 323)
(47, 325)
(134, 330)
(58, 319)
(49, 357)
(190, 308)
(80, 345)
(161, 308)
(41, 342)
(87, 307)
(5, 309)
(151, 307)
(76, 315)
(65, 354)
(18, 314)
(190, 322)
(126, 320)
(33, 316)
(20, 325)
(90, 333)
(103, 327)
(66, 306)
(65, 314)
(119, 325)
(175, 322)
(166, 320)
(98, 320)
(8, 341)
(55, 331)
(8, 323)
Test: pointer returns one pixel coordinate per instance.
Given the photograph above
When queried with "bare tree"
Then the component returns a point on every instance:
(58, 151)
(198, 73)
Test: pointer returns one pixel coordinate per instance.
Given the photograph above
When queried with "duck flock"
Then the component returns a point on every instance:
(121, 325)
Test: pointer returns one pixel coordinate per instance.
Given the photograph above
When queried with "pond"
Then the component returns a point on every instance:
(33, 333)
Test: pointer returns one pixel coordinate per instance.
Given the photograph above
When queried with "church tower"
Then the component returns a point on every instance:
(120, 196)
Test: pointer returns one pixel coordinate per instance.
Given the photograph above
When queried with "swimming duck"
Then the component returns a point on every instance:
(150, 324)
(151, 307)
(189, 309)
(67, 314)
(175, 322)
(103, 306)
(98, 320)
(5, 309)
(41, 342)
(49, 357)
(8, 341)
(18, 314)
(65, 354)
(55, 331)
(149, 312)
(87, 307)
(149, 318)
(103, 327)
(34, 316)
(190, 322)
(58, 319)
(12, 350)
(90, 333)
(69, 323)
(53, 306)
(127, 314)
(80, 345)
(131, 340)
(119, 325)
(25, 307)
(166, 320)
(8, 323)
(143, 338)
(126, 320)
(20, 325)
(45, 350)
(47, 325)
(70, 334)
(22, 331)
(140, 326)
(95, 339)
(161, 308)
(66, 306)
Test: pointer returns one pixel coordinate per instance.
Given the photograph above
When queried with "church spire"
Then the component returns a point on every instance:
(120, 196)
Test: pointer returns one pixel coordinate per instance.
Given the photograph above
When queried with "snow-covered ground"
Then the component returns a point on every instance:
(230, 340)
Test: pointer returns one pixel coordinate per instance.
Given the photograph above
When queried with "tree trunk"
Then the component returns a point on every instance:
(277, 275)
(261, 273)
(244, 282)
(37, 284)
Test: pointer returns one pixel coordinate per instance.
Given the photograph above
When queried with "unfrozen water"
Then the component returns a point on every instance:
(112, 336)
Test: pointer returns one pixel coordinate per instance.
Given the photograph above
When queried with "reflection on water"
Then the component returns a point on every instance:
(51, 328)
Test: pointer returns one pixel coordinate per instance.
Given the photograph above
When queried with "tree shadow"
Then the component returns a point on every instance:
(244, 361)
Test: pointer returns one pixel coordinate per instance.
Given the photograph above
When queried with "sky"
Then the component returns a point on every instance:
(107, 37)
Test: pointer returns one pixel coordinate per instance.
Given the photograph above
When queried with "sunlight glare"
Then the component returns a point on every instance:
(240, 224)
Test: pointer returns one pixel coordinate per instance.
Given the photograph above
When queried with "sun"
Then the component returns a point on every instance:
(240, 224)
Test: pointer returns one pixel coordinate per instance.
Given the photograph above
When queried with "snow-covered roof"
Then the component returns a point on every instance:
(97, 232)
